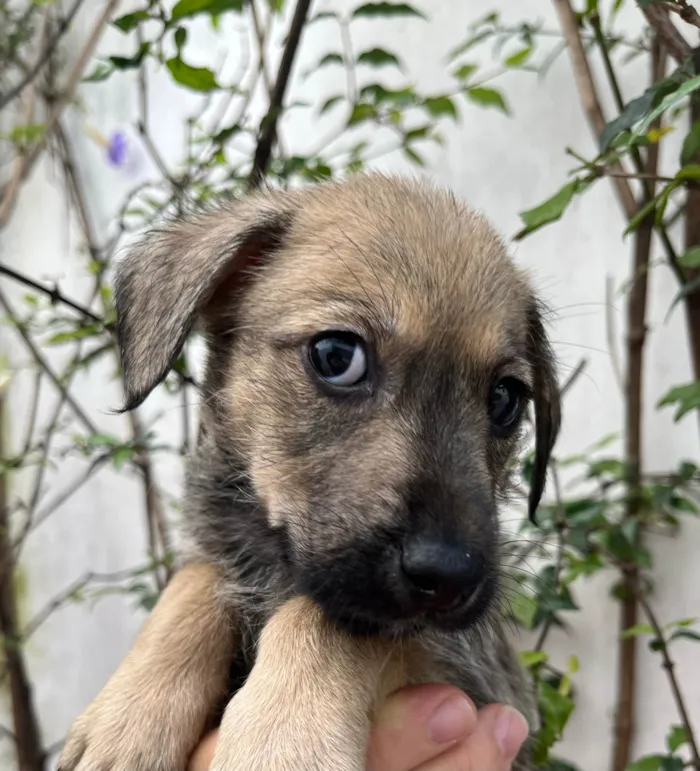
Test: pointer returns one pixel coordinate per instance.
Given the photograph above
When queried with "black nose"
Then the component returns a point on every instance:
(440, 574)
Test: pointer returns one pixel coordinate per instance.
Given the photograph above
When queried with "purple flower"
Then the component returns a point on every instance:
(117, 148)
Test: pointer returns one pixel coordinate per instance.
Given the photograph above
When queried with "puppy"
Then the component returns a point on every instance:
(371, 353)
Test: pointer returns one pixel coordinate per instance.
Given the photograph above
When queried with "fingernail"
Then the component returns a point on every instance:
(451, 720)
(510, 731)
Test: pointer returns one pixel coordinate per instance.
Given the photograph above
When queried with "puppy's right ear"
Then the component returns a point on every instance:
(166, 281)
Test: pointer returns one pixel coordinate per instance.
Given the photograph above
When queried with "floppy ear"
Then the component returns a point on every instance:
(166, 281)
(547, 405)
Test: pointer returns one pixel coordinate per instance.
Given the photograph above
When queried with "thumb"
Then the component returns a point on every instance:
(418, 723)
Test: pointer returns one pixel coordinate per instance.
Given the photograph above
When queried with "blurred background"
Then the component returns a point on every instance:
(574, 127)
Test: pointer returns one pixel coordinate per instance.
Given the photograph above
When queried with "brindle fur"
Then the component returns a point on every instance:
(294, 496)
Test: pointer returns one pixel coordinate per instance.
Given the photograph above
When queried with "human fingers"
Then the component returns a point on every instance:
(492, 746)
(418, 723)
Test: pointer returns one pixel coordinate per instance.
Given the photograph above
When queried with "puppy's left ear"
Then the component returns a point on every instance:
(547, 404)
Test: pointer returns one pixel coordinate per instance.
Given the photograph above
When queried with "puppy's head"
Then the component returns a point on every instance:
(372, 350)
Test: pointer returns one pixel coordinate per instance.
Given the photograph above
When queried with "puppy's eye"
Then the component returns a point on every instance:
(339, 358)
(507, 401)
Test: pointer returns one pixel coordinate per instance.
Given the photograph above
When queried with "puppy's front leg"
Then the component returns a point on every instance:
(152, 711)
(308, 701)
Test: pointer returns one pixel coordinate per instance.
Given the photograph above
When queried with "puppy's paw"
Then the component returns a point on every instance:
(132, 726)
(266, 732)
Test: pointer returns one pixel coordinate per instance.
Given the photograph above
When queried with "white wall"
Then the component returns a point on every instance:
(503, 166)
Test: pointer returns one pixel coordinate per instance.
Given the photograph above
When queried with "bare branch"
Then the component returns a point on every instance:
(46, 53)
(41, 361)
(268, 128)
(589, 97)
(670, 666)
(53, 293)
(29, 159)
(658, 18)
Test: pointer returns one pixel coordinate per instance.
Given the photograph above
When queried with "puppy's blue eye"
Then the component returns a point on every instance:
(339, 358)
(506, 403)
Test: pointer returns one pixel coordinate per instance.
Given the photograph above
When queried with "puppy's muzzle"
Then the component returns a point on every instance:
(439, 575)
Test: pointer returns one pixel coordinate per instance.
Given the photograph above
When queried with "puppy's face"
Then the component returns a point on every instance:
(372, 376)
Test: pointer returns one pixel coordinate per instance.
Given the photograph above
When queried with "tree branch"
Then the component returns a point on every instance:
(659, 20)
(44, 56)
(41, 361)
(636, 337)
(268, 127)
(589, 98)
(670, 666)
(29, 159)
(29, 754)
(53, 293)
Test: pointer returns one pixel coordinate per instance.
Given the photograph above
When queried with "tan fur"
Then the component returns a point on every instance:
(310, 709)
(425, 279)
(155, 706)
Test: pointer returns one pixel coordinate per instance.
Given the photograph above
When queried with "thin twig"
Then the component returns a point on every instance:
(611, 335)
(573, 377)
(46, 53)
(69, 595)
(25, 723)
(41, 361)
(658, 19)
(29, 159)
(634, 382)
(53, 293)
(268, 128)
(669, 666)
(560, 525)
(589, 96)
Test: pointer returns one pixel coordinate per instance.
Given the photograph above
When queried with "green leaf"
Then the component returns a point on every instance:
(677, 736)
(487, 97)
(321, 15)
(685, 634)
(465, 71)
(361, 112)
(186, 8)
(635, 631)
(642, 111)
(438, 106)
(332, 58)
(686, 397)
(330, 103)
(668, 102)
(180, 38)
(101, 72)
(524, 608)
(225, 134)
(531, 659)
(648, 763)
(387, 9)
(549, 211)
(470, 42)
(691, 144)
(195, 78)
(692, 171)
(277, 6)
(121, 456)
(132, 62)
(378, 57)
(691, 259)
(413, 156)
(519, 58)
(88, 330)
(130, 21)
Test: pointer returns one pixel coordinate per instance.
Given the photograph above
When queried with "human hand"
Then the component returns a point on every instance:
(429, 728)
